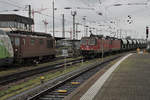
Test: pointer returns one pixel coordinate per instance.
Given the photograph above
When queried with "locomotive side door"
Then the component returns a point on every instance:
(17, 47)
(110, 45)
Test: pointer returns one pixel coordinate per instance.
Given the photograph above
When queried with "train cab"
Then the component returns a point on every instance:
(88, 45)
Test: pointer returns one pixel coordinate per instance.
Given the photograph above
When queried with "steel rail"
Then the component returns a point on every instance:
(51, 90)
(21, 75)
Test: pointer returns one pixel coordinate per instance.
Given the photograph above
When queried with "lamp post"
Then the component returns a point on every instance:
(77, 30)
(63, 26)
(30, 28)
(53, 6)
(73, 13)
(84, 19)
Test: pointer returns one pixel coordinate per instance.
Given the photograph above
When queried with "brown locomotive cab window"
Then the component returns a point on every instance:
(24, 41)
(49, 43)
(32, 41)
(41, 41)
(52, 43)
(17, 41)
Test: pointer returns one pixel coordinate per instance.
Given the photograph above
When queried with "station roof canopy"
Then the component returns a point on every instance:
(30, 33)
(16, 18)
(59, 38)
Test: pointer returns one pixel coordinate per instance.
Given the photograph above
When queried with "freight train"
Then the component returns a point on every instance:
(96, 44)
(22, 46)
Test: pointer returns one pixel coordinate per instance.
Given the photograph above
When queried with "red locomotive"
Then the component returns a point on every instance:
(32, 46)
(96, 44)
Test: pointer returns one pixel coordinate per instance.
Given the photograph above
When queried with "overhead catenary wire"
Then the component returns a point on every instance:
(67, 19)
(11, 4)
(15, 2)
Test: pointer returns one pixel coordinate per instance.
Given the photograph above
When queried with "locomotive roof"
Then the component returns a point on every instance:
(113, 38)
(30, 33)
(16, 18)
(99, 36)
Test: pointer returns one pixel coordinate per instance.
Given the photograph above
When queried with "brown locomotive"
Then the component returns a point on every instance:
(32, 46)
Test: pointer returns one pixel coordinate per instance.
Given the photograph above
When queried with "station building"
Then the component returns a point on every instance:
(9, 22)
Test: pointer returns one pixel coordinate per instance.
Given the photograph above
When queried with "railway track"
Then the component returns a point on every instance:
(15, 66)
(4, 80)
(21, 75)
(60, 90)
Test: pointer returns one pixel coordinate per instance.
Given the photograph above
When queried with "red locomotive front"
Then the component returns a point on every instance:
(90, 46)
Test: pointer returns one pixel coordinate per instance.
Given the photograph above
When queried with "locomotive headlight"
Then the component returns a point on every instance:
(87, 46)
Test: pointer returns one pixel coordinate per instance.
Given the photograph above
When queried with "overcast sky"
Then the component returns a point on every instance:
(140, 15)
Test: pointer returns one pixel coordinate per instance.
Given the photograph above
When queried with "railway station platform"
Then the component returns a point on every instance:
(128, 79)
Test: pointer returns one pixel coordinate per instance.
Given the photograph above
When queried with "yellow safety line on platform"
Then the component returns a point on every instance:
(95, 88)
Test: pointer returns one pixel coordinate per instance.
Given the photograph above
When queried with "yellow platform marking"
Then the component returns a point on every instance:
(75, 83)
(42, 77)
(62, 91)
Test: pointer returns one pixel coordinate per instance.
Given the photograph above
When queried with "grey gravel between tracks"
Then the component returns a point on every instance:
(31, 92)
